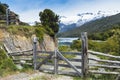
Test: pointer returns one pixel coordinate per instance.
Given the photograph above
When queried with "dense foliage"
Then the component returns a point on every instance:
(110, 45)
(6, 64)
(28, 31)
(64, 48)
(21, 30)
(76, 44)
(106, 34)
(39, 31)
(3, 8)
(49, 20)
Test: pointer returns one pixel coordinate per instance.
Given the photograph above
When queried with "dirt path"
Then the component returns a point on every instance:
(36, 76)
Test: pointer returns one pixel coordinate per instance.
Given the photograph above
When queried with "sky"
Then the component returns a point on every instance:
(28, 10)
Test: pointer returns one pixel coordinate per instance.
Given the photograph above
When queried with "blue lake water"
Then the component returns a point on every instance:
(66, 41)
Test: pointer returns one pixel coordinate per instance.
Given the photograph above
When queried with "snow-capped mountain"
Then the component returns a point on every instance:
(68, 23)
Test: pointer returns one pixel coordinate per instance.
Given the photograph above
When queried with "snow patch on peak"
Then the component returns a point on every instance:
(86, 16)
(69, 20)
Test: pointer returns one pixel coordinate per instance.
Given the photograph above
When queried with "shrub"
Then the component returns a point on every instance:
(21, 30)
(39, 31)
(6, 64)
(76, 44)
(2, 56)
(64, 48)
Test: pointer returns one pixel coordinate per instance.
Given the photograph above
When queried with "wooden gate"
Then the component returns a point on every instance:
(58, 63)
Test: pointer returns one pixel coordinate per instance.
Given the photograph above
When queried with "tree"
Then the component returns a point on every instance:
(3, 8)
(49, 19)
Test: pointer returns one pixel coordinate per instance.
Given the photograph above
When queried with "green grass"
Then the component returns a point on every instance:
(21, 30)
(26, 31)
(6, 64)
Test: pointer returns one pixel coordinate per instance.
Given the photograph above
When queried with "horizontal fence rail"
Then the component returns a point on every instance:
(60, 72)
(102, 72)
(21, 51)
(22, 57)
(49, 52)
(106, 61)
(106, 64)
(103, 54)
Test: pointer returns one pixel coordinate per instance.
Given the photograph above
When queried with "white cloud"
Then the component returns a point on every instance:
(29, 16)
(72, 8)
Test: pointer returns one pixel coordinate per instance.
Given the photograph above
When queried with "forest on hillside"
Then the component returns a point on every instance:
(96, 26)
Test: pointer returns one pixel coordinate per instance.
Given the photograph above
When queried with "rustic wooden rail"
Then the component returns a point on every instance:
(103, 54)
(22, 57)
(114, 64)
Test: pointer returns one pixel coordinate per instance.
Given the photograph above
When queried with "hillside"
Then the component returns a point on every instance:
(99, 25)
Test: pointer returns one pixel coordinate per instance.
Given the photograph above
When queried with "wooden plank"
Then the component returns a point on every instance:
(55, 63)
(49, 52)
(66, 65)
(7, 16)
(22, 59)
(63, 65)
(69, 63)
(44, 61)
(107, 61)
(20, 51)
(73, 53)
(84, 54)
(99, 72)
(23, 63)
(21, 54)
(69, 73)
(35, 53)
(59, 72)
(43, 57)
(105, 66)
(46, 52)
(74, 60)
(103, 54)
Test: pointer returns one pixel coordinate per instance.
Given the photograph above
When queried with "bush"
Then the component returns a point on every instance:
(76, 44)
(2, 56)
(21, 30)
(39, 31)
(6, 64)
(64, 48)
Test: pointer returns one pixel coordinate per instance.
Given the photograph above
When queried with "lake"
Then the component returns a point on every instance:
(66, 41)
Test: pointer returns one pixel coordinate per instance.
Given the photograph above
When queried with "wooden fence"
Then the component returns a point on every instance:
(105, 64)
(9, 18)
(58, 63)
(22, 57)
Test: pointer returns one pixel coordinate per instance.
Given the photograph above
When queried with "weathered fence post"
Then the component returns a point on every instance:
(7, 16)
(55, 63)
(34, 52)
(84, 54)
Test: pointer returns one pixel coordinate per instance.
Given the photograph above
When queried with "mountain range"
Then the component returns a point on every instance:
(93, 26)
(67, 24)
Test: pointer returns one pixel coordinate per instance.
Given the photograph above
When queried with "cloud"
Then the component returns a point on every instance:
(28, 10)
(29, 16)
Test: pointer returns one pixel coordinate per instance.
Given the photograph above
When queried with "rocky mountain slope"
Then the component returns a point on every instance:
(82, 18)
(98, 25)
(15, 42)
